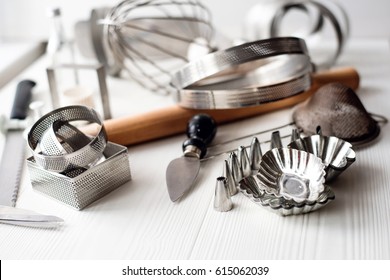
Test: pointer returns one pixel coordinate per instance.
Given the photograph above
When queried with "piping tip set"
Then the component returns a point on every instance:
(287, 181)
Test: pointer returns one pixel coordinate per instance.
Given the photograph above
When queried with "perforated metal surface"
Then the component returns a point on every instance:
(80, 187)
(57, 160)
(74, 168)
(339, 111)
(244, 97)
(62, 138)
(246, 75)
(224, 60)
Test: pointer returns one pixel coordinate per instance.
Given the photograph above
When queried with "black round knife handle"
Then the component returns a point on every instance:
(201, 130)
(22, 99)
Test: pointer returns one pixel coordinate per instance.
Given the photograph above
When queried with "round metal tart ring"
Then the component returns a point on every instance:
(82, 157)
(246, 75)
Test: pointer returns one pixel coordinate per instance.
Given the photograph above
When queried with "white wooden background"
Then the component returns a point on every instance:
(138, 221)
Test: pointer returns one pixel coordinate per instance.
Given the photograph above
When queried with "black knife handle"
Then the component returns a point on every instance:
(22, 99)
(201, 130)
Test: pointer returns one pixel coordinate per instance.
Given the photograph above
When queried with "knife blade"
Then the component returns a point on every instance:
(182, 172)
(22, 217)
(11, 164)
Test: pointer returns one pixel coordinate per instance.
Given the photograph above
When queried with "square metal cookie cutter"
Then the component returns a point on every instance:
(79, 188)
(87, 170)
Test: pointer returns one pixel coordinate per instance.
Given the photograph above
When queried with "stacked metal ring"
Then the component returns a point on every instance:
(246, 75)
(59, 146)
(265, 20)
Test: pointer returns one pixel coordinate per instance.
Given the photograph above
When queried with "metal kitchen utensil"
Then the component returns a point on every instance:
(28, 218)
(287, 181)
(276, 140)
(336, 154)
(254, 141)
(244, 161)
(235, 168)
(150, 39)
(291, 180)
(80, 187)
(62, 138)
(60, 162)
(172, 120)
(182, 172)
(85, 174)
(227, 173)
(13, 155)
(274, 18)
(255, 154)
(222, 200)
(292, 174)
(334, 107)
(279, 205)
(245, 75)
(89, 38)
(339, 112)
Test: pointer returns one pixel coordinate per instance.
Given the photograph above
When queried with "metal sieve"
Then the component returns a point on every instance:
(335, 108)
(339, 112)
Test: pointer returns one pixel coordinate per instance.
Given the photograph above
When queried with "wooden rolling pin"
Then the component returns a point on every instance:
(172, 120)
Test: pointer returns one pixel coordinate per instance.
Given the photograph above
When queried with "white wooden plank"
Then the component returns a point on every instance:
(138, 221)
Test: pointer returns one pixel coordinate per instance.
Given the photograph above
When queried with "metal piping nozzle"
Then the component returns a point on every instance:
(295, 135)
(235, 168)
(244, 161)
(222, 200)
(276, 141)
(255, 154)
(229, 179)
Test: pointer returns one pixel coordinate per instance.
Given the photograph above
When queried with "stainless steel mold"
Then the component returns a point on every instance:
(292, 174)
(336, 154)
(80, 187)
(73, 167)
(249, 187)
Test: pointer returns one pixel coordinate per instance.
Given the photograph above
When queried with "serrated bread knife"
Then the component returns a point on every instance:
(11, 164)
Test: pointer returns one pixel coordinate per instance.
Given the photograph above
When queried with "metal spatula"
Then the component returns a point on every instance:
(182, 172)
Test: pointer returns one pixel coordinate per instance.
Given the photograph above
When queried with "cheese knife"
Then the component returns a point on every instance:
(182, 172)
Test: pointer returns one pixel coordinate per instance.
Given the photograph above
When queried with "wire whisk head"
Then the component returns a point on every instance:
(150, 39)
